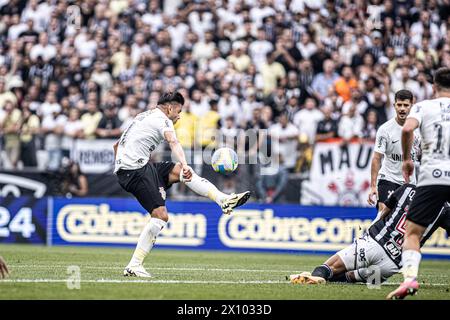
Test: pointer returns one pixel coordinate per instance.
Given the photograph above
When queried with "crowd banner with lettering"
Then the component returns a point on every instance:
(340, 175)
(201, 225)
(23, 220)
(94, 156)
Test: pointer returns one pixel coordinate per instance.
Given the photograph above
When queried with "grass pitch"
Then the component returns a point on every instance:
(39, 272)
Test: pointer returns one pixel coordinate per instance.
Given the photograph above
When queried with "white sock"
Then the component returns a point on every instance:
(204, 188)
(147, 240)
(410, 262)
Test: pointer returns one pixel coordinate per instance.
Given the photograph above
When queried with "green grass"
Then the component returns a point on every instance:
(215, 275)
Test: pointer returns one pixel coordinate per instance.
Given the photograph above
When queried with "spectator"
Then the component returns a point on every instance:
(271, 72)
(322, 82)
(52, 128)
(370, 126)
(284, 136)
(28, 131)
(102, 78)
(10, 129)
(43, 49)
(199, 104)
(75, 182)
(73, 129)
(308, 118)
(238, 58)
(259, 49)
(109, 126)
(5, 95)
(327, 128)
(91, 120)
(272, 180)
(345, 83)
(351, 125)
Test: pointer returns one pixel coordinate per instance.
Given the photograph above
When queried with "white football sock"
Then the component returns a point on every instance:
(147, 240)
(204, 188)
(410, 262)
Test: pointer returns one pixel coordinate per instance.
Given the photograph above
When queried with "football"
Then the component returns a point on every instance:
(224, 160)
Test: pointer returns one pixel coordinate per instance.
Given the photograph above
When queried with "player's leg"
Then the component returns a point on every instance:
(385, 189)
(149, 189)
(333, 270)
(203, 187)
(147, 239)
(425, 207)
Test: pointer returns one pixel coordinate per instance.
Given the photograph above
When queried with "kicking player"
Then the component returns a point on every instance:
(379, 248)
(148, 181)
(433, 189)
(388, 149)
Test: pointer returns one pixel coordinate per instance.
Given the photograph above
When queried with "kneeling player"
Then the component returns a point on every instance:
(380, 248)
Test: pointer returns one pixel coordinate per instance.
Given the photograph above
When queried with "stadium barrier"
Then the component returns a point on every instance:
(192, 225)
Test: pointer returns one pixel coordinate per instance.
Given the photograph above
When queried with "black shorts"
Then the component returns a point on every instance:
(427, 203)
(148, 184)
(385, 189)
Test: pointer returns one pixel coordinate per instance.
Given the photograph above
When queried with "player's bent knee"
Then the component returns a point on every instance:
(160, 213)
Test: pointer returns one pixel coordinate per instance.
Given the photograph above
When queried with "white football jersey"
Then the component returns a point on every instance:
(434, 123)
(141, 137)
(389, 143)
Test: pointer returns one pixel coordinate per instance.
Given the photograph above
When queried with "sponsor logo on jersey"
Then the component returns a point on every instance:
(396, 157)
(393, 250)
(362, 255)
(437, 173)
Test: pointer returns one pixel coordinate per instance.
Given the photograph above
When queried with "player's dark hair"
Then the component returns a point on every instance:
(404, 95)
(442, 78)
(168, 97)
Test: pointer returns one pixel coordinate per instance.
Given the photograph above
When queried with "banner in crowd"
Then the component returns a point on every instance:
(23, 220)
(201, 225)
(94, 156)
(340, 175)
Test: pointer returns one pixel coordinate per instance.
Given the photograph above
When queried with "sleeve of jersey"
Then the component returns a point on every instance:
(380, 141)
(416, 113)
(166, 125)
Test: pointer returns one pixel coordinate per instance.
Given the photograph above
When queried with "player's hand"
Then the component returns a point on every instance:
(3, 268)
(373, 196)
(408, 169)
(187, 173)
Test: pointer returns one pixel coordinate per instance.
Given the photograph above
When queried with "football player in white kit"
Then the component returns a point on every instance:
(149, 181)
(433, 188)
(386, 176)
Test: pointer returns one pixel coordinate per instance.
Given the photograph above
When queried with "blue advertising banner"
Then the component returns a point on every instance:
(23, 220)
(201, 225)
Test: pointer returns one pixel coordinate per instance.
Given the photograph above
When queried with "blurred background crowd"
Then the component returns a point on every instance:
(303, 70)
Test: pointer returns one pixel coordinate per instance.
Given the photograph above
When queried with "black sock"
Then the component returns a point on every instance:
(323, 271)
(343, 277)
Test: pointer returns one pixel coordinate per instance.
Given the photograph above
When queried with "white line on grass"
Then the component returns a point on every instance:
(162, 268)
(183, 282)
(145, 281)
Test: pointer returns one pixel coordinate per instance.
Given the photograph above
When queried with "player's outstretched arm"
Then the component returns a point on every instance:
(407, 141)
(176, 148)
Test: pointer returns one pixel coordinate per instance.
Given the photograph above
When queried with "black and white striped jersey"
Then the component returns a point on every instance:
(389, 231)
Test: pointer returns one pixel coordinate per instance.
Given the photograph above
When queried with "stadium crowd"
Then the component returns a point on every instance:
(304, 70)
